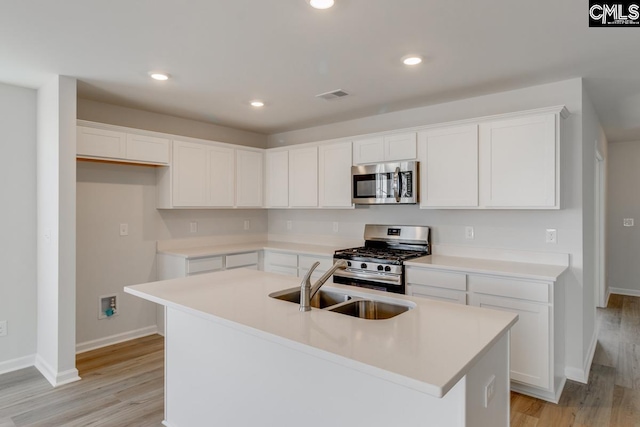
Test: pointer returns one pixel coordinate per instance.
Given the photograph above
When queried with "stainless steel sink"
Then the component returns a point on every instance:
(368, 309)
(322, 299)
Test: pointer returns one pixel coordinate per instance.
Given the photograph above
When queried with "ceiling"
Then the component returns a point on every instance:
(222, 54)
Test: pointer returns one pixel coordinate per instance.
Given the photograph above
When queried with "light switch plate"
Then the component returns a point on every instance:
(336, 227)
(247, 224)
(193, 227)
(289, 225)
(627, 222)
(469, 233)
(124, 229)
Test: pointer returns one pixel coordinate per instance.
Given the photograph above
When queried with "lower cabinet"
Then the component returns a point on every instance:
(536, 363)
(172, 267)
(296, 264)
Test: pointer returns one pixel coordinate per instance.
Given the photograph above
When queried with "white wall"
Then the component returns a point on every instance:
(18, 243)
(56, 231)
(138, 119)
(623, 243)
(511, 229)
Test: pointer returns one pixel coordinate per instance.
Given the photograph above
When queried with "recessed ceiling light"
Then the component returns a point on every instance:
(257, 103)
(159, 76)
(321, 4)
(411, 60)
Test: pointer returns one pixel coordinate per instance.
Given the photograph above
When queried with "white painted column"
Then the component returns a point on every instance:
(56, 231)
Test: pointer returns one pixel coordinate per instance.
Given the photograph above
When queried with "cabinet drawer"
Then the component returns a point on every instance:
(306, 261)
(439, 279)
(287, 271)
(201, 265)
(511, 288)
(241, 260)
(440, 294)
(286, 260)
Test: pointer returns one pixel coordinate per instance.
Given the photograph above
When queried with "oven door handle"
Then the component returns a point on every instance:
(391, 279)
(396, 184)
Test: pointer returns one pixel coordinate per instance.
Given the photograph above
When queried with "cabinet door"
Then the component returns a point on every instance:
(335, 175)
(449, 167)
(221, 176)
(370, 150)
(277, 185)
(249, 178)
(530, 338)
(401, 146)
(100, 143)
(189, 179)
(147, 149)
(519, 159)
(303, 177)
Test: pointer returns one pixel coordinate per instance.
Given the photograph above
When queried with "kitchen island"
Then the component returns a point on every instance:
(236, 357)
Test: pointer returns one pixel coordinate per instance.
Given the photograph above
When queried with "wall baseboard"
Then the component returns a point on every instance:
(623, 291)
(115, 339)
(582, 375)
(54, 377)
(16, 364)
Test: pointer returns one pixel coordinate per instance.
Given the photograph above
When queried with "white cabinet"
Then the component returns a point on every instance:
(530, 339)
(277, 179)
(449, 167)
(111, 145)
(249, 178)
(536, 357)
(221, 176)
(303, 177)
(172, 266)
(211, 176)
(388, 148)
(281, 263)
(190, 173)
(335, 175)
(520, 159)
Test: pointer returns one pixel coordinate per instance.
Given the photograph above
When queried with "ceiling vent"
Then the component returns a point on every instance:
(334, 94)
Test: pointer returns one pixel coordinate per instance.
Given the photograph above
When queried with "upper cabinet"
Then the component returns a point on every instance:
(520, 159)
(277, 179)
(303, 177)
(334, 177)
(511, 163)
(449, 167)
(211, 176)
(111, 145)
(388, 148)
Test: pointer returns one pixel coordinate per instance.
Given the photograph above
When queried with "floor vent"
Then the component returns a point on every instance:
(339, 93)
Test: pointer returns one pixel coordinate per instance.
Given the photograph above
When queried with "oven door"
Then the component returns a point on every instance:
(380, 282)
(385, 183)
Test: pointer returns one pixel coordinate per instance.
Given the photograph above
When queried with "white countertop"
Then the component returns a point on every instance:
(429, 348)
(212, 250)
(486, 266)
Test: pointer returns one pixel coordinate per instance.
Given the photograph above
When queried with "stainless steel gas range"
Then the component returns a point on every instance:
(379, 264)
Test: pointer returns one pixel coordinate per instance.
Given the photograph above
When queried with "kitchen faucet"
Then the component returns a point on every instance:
(307, 291)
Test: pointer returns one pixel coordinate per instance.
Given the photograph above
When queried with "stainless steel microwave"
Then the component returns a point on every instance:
(385, 183)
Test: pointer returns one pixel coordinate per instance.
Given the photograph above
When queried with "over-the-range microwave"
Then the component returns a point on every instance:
(385, 183)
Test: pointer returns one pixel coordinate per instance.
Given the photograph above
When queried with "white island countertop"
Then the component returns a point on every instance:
(428, 348)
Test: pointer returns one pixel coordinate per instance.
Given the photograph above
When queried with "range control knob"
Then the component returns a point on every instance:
(349, 263)
(387, 268)
(380, 268)
(363, 265)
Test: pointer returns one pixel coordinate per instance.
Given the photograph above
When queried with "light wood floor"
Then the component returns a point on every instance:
(612, 397)
(122, 385)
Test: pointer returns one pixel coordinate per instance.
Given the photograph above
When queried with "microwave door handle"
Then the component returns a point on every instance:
(396, 184)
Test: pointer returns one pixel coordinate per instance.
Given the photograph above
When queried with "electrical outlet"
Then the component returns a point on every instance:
(124, 229)
(247, 224)
(489, 391)
(193, 227)
(627, 222)
(551, 235)
(3, 328)
(289, 225)
(469, 233)
(336, 227)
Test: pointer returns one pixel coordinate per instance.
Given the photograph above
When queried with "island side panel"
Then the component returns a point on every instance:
(218, 375)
